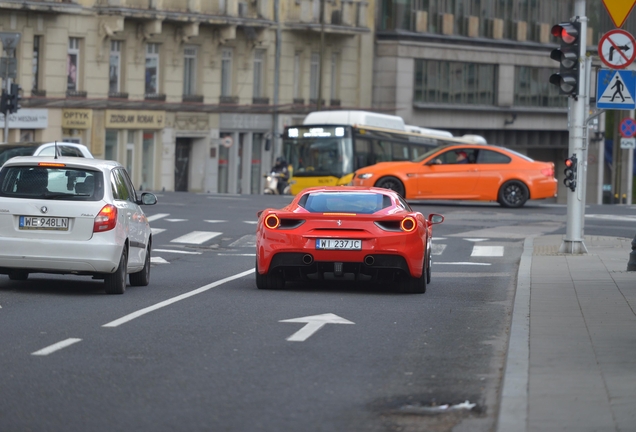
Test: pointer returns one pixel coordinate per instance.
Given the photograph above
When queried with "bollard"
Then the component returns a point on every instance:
(631, 265)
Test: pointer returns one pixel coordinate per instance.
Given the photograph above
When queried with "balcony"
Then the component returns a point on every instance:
(229, 100)
(117, 95)
(76, 94)
(38, 93)
(193, 98)
(260, 101)
(158, 97)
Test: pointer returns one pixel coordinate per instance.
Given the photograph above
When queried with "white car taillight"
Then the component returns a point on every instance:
(106, 219)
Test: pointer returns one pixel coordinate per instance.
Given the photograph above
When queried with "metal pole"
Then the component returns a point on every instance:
(276, 150)
(601, 160)
(573, 241)
(6, 116)
(322, 54)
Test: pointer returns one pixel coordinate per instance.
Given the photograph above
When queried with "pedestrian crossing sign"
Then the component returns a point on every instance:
(616, 89)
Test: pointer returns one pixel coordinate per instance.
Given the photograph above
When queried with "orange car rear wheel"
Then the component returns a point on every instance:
(513, 194)
(392, 183)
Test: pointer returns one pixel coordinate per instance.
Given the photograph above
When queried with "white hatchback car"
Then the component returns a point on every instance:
(72, 215)
(61, 148)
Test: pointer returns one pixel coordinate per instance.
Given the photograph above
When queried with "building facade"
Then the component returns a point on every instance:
(189, 95)
(483, 67)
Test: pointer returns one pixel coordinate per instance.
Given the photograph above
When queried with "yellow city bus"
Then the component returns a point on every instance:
(331, 145)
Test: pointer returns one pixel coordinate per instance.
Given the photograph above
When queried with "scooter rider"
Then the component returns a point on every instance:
(282, 170)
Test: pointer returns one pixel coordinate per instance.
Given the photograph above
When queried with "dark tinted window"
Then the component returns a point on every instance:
(345, 202)
(52, 183)
(492, 157)
(9, 152)
(120, 189)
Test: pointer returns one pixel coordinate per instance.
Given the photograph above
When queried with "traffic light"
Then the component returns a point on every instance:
(568, 54)
(15, 98)
(570, 172)
(4, 103)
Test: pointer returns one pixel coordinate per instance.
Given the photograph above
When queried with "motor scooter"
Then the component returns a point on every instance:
(271, 184)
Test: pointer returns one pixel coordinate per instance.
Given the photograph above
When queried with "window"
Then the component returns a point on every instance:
(152, 68)
(72, 62)
(130, 152)
(297, 75)
(37, 46)
(226, 72)
(259, 58)
(148, 160)
(110, 148)
(533, 88)
(189, 70)
(454, 82)
(114, 70)
(314, 73)
(334, 77)
(492, 157)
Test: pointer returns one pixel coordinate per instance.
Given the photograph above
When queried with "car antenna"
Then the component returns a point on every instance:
(55, 150)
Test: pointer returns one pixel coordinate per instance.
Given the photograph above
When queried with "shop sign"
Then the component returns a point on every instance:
(27, 118)
(77, 118)
(132, 119)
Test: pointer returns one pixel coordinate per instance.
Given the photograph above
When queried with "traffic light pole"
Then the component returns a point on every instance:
(573, 241)
(6, 115)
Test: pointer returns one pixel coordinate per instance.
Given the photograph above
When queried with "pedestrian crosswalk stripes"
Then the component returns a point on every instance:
(196, 237)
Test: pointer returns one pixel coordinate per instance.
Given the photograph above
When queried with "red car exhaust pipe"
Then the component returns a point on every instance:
(369, 260)
(308, 259)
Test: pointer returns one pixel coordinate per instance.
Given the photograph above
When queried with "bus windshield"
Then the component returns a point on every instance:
(318, 156)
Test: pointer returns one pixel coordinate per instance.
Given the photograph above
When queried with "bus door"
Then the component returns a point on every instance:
(447, 175)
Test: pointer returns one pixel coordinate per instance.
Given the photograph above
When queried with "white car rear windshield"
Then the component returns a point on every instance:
(344, 202)
(51, 183)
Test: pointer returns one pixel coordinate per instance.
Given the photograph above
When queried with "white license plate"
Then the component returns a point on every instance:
(43, 223)
(338, 244)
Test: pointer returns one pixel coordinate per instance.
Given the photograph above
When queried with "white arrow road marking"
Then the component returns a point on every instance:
(56, 347)
(177, 251)
(438, 249)
(487, 251)
(158, 260)
(314, 323)
(196, 237)
(156, 231)
(461, 263)
(168, 302)
(177, 220)
(158, 216)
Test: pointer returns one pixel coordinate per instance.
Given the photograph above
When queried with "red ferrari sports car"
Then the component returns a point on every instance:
(345, 234)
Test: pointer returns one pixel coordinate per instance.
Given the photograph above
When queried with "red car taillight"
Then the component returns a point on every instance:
(408, 224)
(272, 221)
(106, 219)
(548, 172)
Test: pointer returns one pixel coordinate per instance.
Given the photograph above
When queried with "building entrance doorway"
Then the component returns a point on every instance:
(182, 164)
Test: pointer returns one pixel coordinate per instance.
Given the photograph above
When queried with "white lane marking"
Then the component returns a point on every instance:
(439, 238)
(214, 221)
(314, 323)
(230, 254)
(461, 263)
(168, 302)
(475, 239)
(157, 216)
(158, 260)
(612, 217)
(177, 220)
(196, 237)
(56, 347)
(251, 222)
(487, 251)
(177, 251)
(469, 275)
(156, 231)
(438, 249)
(245, 241)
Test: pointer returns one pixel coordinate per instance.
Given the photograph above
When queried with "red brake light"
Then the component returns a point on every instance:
(106, 219)
(272, 221)
(548, 172)
(408, 224)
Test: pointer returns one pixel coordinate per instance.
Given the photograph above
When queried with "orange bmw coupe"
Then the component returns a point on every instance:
(465, 172)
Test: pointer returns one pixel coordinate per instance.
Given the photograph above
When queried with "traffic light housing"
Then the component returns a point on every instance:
(570, 172)
(15, 98)
(568, 55)
(4, 103)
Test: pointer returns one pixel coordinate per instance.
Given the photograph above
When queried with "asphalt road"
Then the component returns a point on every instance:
(201, 349)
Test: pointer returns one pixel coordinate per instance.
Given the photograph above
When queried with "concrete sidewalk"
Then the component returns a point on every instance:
(571, 362)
